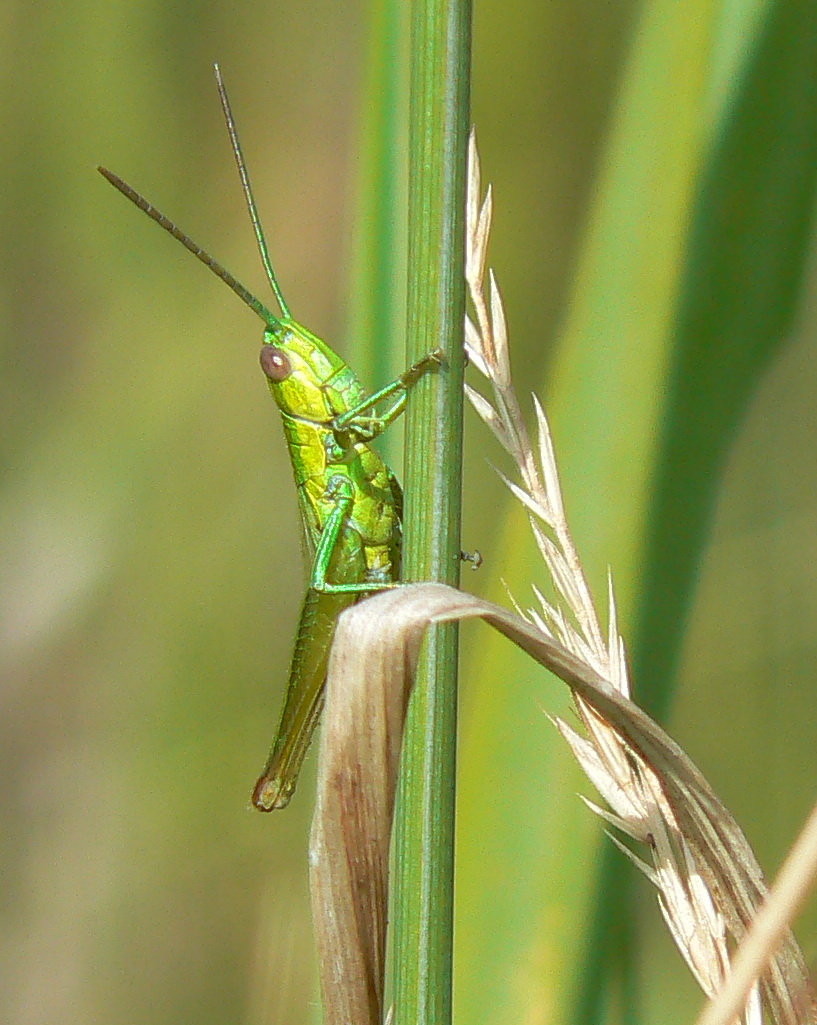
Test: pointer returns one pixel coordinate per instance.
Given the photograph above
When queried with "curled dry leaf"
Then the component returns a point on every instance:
(370, 676)
(358, 759)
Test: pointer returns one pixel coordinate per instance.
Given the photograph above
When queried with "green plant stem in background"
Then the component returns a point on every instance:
(376, 316)
(424, 875)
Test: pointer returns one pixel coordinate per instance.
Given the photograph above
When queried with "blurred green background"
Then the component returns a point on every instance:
(654, 168)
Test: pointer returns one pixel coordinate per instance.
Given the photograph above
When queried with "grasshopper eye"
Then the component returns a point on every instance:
(275, 363)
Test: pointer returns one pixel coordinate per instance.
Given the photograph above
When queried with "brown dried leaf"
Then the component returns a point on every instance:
(370, 675)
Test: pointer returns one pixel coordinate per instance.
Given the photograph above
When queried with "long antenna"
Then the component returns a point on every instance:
(245, 184)
(164, 222)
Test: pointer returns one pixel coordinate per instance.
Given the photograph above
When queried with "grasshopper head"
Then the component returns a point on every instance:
(297, 364)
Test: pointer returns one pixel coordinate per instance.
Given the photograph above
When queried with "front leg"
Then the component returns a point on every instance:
(368, 427)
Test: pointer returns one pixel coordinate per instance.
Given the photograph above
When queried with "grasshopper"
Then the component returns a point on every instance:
(350, 502)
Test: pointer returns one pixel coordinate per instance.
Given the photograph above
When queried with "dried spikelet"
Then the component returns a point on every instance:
(704, 903)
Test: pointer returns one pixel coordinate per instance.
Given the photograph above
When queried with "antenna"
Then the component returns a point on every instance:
(164, 222)
(245, 184)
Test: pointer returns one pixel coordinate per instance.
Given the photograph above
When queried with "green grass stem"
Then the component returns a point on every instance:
(424, 875)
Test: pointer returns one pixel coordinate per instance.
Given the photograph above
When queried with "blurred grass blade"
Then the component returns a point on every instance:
(690, 274)
(739, 289)
(603, 398)
(377, 300)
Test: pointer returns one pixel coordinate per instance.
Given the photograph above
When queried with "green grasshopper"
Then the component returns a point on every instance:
(350, 501)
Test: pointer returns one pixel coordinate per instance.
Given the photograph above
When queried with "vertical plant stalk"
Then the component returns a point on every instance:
(424, 845)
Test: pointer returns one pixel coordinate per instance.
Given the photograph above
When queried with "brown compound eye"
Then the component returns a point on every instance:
(275, 363)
